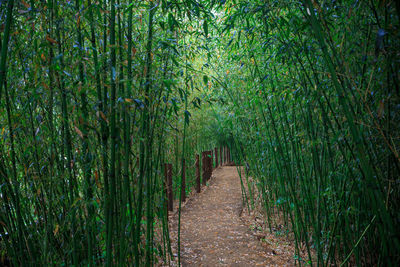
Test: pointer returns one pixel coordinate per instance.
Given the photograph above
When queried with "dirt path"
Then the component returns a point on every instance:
(212, 232)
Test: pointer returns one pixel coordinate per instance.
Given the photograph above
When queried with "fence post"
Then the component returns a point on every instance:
(216, 157)
(198, 173)
(183, 188)
(169, 188)
(212, 159)
(210, 164)
(204, 166)
(166, 186)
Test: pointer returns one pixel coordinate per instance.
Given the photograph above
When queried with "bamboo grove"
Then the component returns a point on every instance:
(97, 95)
(314, 98)
(95, 99)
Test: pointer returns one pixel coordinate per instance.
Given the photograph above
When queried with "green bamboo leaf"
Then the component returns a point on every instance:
(187, 117)
(129, 7)
(205, 79)
(205, 27)
(171, 21)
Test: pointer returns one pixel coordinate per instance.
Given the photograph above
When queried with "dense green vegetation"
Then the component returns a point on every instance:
(95, 96)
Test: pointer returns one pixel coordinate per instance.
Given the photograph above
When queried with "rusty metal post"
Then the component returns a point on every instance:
(198, 173)
(183, 188)
(210, 164)
(212, 157)
(204, 166)
(166, 186)
(169, 187)
(207, 161)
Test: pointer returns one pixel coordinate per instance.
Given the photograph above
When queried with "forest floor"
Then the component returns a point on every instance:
(216, 230)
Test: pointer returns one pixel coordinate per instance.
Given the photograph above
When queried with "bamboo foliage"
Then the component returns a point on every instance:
(96, 97)
(86, 125)
(315, 139)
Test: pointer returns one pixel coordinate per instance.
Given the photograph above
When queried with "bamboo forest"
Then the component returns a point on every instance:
(199, 133)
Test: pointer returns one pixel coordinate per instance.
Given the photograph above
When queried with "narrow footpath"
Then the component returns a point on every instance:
(213, 232)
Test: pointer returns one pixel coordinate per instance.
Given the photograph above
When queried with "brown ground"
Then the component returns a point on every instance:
(213, 233)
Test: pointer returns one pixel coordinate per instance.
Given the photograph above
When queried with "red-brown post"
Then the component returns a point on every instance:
(169, 188)
(183, 188)
(212, 159)
(210, 164)
(198, 173)
(166, 185)
(204, 166)
(216, 157)
(207, 163)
